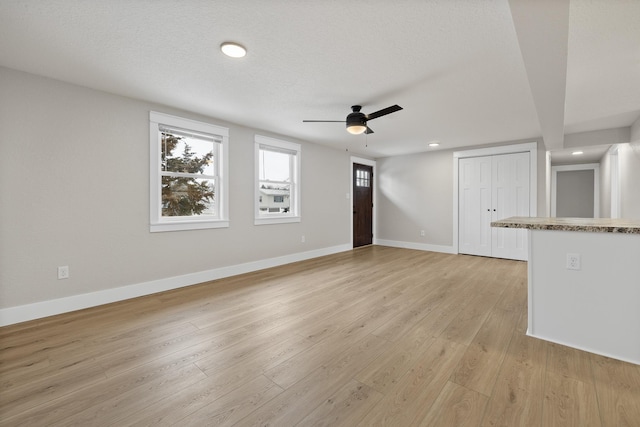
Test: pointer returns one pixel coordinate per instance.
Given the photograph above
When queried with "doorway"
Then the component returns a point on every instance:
(532, 150)
(362, 204)
(493, 188)
(575, 191)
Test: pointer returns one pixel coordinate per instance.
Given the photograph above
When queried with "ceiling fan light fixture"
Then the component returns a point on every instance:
(356, 128)
(356, 121)
(233, 50)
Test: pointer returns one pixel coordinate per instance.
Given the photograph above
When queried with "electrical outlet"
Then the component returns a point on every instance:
(303, 239)
(573, 261)
(63, 272)
(422, 233)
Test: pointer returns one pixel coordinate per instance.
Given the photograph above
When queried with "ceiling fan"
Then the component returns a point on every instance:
(357, 121)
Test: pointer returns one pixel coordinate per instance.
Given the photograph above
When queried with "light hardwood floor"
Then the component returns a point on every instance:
(375, 336)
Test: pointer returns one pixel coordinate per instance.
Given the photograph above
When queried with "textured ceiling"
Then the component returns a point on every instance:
(467, 72)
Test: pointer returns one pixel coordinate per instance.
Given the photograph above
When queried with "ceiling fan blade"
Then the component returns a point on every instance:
(368, 131)
(384, 112)
(323, 121)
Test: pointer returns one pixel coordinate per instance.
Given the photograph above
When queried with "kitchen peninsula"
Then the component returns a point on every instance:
(584, 283)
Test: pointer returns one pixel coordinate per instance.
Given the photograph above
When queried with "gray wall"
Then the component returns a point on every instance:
(629, 157)
(575, 194)
(627, 140)
(415, 192)
(634, 133)
(74, 190)
(630, 174)
(597, 137)
(605, 186)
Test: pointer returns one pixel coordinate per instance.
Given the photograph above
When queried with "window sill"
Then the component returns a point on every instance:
(276, 220)
(187, 225)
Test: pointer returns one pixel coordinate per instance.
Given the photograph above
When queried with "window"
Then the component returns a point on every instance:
(277, 181)
(188, 174)
(362, 178)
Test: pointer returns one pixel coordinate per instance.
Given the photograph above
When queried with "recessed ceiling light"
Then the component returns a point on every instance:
(434, 144)
(577, 153)
(234, 50)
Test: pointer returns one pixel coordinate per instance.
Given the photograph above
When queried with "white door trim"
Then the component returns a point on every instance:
(367, 162)
(530, 147)
(614, 167)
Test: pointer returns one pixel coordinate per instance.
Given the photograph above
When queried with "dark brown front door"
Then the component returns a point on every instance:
(362, 205)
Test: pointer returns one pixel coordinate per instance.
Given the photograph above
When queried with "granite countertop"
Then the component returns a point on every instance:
(603, 225)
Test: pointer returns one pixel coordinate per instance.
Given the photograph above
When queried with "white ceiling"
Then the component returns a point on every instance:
(467, 72)
(590, 154)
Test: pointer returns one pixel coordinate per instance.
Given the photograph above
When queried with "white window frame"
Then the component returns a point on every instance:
(294, 208)
(158, 223)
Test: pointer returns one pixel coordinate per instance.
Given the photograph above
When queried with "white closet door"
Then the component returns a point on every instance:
(474, 192)
(510, 197)
(492, 188)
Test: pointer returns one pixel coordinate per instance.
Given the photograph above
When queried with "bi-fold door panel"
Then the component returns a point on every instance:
(474, 197)
(492, 188)
(510, 197)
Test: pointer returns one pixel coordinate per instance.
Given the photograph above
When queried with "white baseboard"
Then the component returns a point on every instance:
(23, 313)
(635, 361)
(417, 246)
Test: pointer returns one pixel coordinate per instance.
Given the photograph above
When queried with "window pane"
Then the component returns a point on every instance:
(274, 166)
(362, 178)
(187, 196)
(187, 154)
(274, 198)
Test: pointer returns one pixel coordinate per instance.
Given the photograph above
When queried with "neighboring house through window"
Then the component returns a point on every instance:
(277, 181)
(189, 188)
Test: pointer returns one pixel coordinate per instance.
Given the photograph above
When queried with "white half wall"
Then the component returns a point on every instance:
(594, 308)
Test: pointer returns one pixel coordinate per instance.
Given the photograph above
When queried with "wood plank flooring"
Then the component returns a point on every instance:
(377, 336)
